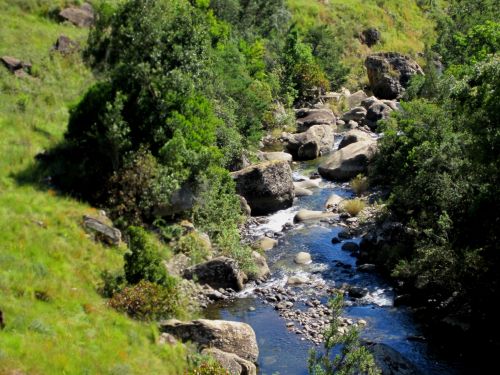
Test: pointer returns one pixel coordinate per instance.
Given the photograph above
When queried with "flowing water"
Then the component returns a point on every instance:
(283, 352)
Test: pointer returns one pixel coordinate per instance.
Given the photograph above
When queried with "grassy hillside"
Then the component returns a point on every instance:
(404, 26)
(56, 323)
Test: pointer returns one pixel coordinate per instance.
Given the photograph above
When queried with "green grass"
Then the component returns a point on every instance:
(56, 323)
(404, 27)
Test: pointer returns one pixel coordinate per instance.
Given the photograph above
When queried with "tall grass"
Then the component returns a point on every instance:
(55, 321)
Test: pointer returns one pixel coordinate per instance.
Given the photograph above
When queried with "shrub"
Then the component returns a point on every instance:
(147, 301)
(353, 206)
(359, 184)
(112, 283)
(143, 261)
(208, 368)
(194, 247)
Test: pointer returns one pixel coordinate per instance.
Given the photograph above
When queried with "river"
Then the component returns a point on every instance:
(284, 352)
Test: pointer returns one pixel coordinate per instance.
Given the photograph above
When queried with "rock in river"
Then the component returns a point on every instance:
(303, 258)
(306, 215)
(231, 362)
(267, 187)
(348, 162)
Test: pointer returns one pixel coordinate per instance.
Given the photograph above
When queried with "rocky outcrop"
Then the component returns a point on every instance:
(65, 45)
(389, 73)
(267, 187)
(307, 117)
(102, 231)
(390, 361)
(348, 162)
(82, 16)
(181, 200)
(370, 36)
(314, 142)
(231, 337)
(353, 136)
(354, 100)
(16, 66)
(357, 114)
(231, 362)
(220, 272)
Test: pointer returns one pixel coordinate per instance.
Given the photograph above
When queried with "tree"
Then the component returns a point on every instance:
(353, 357)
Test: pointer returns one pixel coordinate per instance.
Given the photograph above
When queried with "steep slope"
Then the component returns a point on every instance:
(55, 321)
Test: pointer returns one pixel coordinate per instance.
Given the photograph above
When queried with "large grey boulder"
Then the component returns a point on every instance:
(307, 117)
(370, 36)
(348, 162)
(378, 111)
(267, 187)
(357, 114)
(354, 100)
(353, 136)
(102, 231)
(316, 141)
(389, 73)
(231, 362)
(65, 45)
(275, 156)
(220, 272)
(390, 361)
(230, 337)
(262, 270)
(308, 215)
(82, 16)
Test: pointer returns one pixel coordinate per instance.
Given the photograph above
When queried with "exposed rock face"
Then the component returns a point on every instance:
(16, 66)
(275, 156)
(220, 272)
(177, 264)
(348, 162)
(370, 36)
(378, 111)
(390, 361)
(102, 232)
(306, 215)
(231, 362)
(314, 142)
(181, 200)
(65, 45)
(230, 337)
(354, 100)
(81, 17)
(353, 136)
(389, 73)
(267, 187)
(307, 117)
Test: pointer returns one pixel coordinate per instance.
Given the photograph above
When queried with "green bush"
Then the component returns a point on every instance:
(143, 260)
(147, 301)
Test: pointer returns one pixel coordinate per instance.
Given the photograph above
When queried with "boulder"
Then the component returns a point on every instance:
(302, 192)
(262, 269)
(65, 45)
(392, 104)
(306, 215)
(245, 207)
(353, 136)
(333, 202)
(297, 280)
(354, 100)
(348, 162)
(231, 337)
(266, 243)
(378, 111)
(368, 102)
(390, 361)
(267, 187)
(314, 142)
(82, 16)
(102, 231)
(357, 114)
(231, 362)
(303, 258)
(220, 272)
(370, 36)
(350, 246)
(16, 66)
(275, 156)
(389, 73)
(307, 117)
(182, 200)
(356, 291)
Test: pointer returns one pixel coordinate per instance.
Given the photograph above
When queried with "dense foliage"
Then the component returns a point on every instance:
(440, 158)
